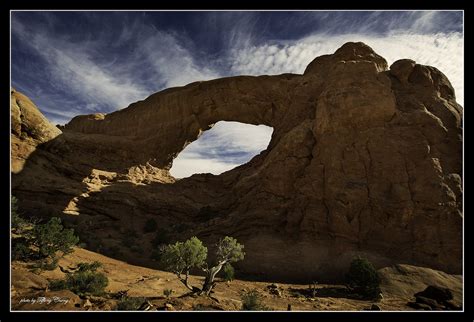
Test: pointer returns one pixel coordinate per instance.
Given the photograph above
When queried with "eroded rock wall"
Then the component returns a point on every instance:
(364, 159)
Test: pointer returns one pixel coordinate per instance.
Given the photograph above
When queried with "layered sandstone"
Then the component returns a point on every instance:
(364, 159)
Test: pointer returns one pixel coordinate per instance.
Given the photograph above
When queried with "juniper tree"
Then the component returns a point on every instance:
(181, 257)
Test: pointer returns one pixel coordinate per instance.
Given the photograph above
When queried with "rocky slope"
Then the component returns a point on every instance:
(399, 284)
(364, 159)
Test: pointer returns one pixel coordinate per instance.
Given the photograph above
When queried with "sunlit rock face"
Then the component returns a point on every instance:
(363, 159)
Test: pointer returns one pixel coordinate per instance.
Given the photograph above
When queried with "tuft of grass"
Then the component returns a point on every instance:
(252, 301)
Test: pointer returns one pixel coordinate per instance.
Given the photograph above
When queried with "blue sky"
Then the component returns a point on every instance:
(72, 63)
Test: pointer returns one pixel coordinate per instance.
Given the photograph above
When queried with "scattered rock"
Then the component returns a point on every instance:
(434, 305)
(450, 305)
(373, 307)
(440, 294)
(87, 304)
(169, 307)
(419, 306)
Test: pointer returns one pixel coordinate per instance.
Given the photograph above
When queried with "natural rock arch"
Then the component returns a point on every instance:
(363, 159)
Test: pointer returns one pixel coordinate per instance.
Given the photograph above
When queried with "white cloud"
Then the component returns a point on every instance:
(102, 82)
(443, 51)
(185, 167)
(174, 63)
(222, 148)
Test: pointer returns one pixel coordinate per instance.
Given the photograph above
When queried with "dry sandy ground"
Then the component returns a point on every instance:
(29, 290)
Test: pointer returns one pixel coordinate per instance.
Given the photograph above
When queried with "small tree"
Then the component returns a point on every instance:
(52, 237)
(181, 257)
(362, 278)
(35, 241)
(228, 251)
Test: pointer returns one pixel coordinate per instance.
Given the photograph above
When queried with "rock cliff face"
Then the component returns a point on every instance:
(364, 159)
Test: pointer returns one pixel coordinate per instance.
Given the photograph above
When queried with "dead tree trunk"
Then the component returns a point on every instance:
(210, 276)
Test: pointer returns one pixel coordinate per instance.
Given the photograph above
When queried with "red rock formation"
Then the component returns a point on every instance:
(363, 160)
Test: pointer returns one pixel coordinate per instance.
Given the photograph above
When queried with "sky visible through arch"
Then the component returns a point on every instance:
(72, 63)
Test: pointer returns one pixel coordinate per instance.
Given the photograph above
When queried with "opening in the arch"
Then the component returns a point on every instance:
(225, 146)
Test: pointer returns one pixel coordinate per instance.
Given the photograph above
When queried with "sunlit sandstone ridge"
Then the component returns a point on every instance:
(364, 159)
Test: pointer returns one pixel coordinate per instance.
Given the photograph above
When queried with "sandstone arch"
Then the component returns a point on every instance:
(363, 159)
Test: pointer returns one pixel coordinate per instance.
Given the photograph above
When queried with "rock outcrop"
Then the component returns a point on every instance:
(28, 129)
(364, 159)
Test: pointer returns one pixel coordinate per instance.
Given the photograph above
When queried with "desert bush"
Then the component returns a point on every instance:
(84, 281)
(130, 303)
(228, 272)
(252, 301)
(362, 278)
(46, 264)
(57, 285)
(82, 267)
(150, 226)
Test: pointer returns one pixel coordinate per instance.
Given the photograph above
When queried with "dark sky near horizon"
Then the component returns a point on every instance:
(72, 63)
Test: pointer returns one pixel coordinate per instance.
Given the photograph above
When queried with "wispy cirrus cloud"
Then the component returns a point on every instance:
(101, 72)
(443, 51)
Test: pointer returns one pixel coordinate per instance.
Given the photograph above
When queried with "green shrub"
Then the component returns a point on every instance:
(47, 264)
(84, 281)
(57, 285)
(150, 226)
(130, 303)
(228, 272)
(82, 267)
(18, 223)
(52, 237)
(21, 249)
(362, 278)
(252, 301)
